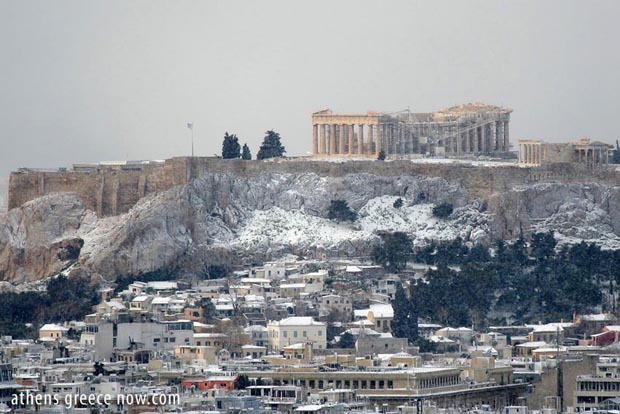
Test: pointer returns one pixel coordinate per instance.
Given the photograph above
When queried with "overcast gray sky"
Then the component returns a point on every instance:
(83, 81)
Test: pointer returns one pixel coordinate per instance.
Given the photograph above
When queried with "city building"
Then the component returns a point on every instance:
(296, 329)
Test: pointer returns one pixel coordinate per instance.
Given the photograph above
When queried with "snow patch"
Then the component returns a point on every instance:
(276, 226)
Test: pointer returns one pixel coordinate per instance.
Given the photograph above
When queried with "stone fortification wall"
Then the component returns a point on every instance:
(112, 190)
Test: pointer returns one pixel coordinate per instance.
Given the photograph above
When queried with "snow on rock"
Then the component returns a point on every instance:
(219, 218)
(275, 226)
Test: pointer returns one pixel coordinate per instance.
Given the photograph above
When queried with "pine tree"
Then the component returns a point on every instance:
(245, 153)
(346, 341)
(230, 147)
(405, 321)
(393, 251)
(339, 210)
(271, 146)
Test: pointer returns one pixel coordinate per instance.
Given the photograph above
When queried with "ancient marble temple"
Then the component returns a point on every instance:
(468, 129)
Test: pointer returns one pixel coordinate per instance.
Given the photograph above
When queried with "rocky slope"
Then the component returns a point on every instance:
(220, 218)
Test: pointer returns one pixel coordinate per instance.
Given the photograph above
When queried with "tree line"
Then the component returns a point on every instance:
(270, 148)
(518, 282)
(65, 299)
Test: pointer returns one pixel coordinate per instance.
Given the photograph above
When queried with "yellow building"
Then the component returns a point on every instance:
(294, 330)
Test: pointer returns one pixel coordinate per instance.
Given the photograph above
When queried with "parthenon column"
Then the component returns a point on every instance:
(500, 134)
(474, 134)
(465, 141)
(378, 139)
(322, 143)
(341, 135)
(360, 139)
(527, 153)
(506, 136)
(332, 139)
(315, 139)
(483, 138)
(351, 139)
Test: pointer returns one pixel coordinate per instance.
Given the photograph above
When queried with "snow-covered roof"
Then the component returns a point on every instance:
(210, 335)
(52, 327)
(298, 345)
(532, 345)
(255, 328)
(246, 280)
(547, 328)
(402, 354)
(297, 321)
(353, 269)
(311, 407)
(254, 298)
(380, 310)
(159, 300)
(360, 313)
(440, 339)
(360, 331)
(454, 331)
(550, 349)
(292, 286)
(163, 285)
(141, 298)
(116, 305)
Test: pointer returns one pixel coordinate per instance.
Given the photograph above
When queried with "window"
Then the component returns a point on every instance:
(285, 334)
(305, 334)
(295, 334)
(320, 333)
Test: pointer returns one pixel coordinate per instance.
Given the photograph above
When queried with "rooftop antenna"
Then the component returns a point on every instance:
(190, 125)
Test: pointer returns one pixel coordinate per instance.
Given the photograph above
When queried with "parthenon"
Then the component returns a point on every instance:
(473, 128)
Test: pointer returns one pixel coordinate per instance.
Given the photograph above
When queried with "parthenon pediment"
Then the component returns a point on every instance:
(325, 111)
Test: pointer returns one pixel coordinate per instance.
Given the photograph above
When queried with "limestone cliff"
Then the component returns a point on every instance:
(226, 217)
